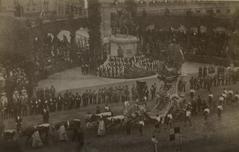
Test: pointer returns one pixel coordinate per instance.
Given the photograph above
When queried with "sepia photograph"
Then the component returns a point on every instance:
(119, 76)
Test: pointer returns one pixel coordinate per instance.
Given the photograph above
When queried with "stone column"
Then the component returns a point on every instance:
(105, 20)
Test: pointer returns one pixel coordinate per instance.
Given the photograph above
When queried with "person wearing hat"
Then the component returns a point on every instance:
(155, 143)
(188, 114)
(107, 108)
(200, 72)
(230, 95)
(225, 96)
(141, 126)
(191, 83)
(205, 70)
(236, 97)
(220, 107)
(78, 100)
(24, 101)
(210, 100)
(16, 101)
(157, 124)
(52, 104)
(3, 104)
(37, 103)
(169, 118)
(206, 113)
(45, 115)
(192, 93)
(18, 123)
(153, 91)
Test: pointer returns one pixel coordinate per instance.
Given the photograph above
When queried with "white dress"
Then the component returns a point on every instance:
(36, 140)
(101, 128)
(62, 133)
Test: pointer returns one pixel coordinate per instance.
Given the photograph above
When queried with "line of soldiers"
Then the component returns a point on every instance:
(210, 76)
(45, 100)
(68, 100)
(117, 67)
(111, 71)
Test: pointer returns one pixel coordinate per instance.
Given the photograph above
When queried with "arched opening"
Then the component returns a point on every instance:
(82, 38)
(82, 44)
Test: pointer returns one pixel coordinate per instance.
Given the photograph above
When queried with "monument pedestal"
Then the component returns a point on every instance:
(123, 45)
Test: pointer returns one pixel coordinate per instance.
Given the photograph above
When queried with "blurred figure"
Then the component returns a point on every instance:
(36, 139)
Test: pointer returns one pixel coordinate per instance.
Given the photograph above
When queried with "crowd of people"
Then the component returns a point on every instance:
(17, 76)
(16, 89)
(49, 52)
(182, 109)
(18, 98)
(212, 102)
(53, 53)
(185, 109)
(47, 99)
(213, 76)
(201, 40)
(121, 67)
(68, 100)
(195, 104)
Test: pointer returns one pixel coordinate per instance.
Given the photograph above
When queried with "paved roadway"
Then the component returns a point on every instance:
(218, 136)
(214, 136)
(74, 80)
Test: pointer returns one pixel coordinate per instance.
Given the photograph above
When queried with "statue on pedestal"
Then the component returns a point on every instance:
(120, 51)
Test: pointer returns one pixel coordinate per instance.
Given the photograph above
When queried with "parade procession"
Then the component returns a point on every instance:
(119, 76)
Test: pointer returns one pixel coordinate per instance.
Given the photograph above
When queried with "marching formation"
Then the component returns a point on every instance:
(120, 67)
(47, 99)
(213, 76)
